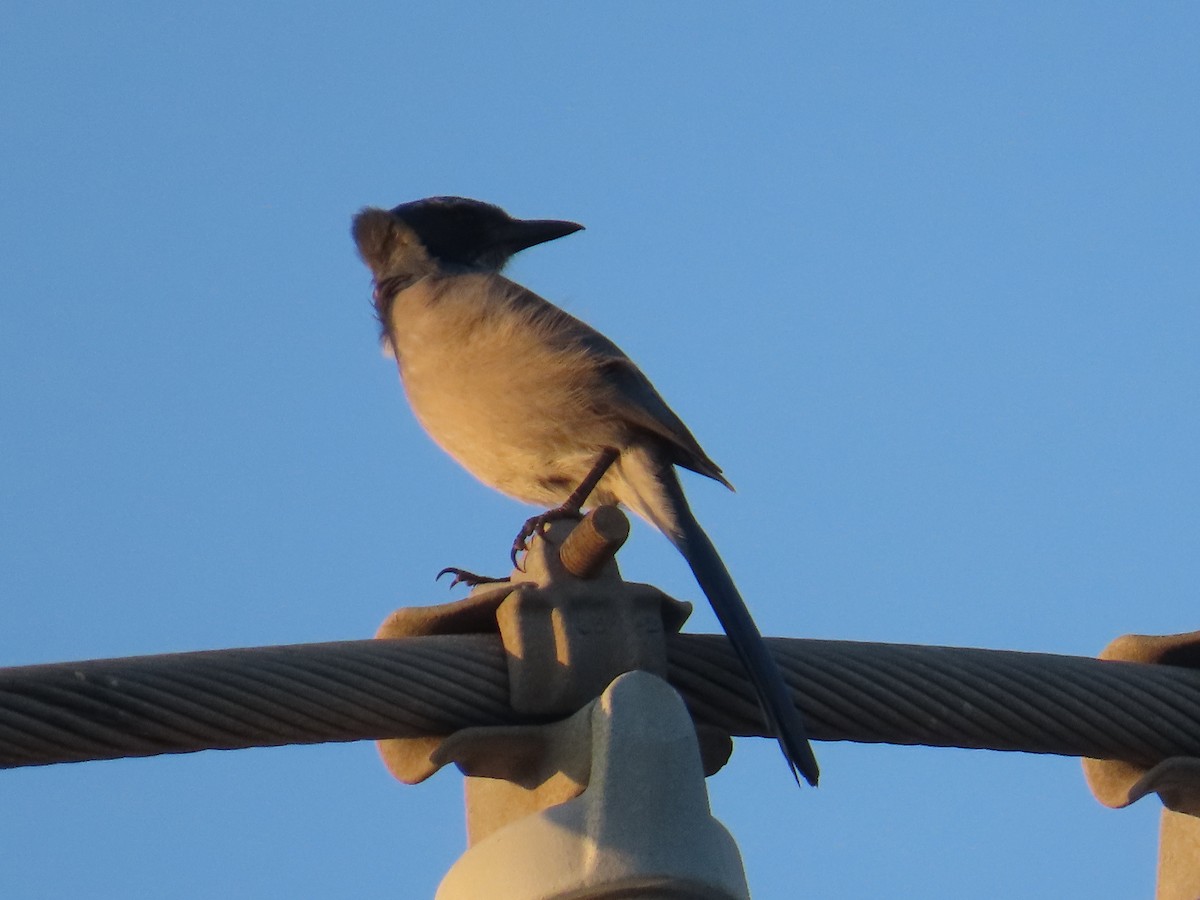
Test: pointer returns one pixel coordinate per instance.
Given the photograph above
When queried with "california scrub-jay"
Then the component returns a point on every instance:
(537, 404)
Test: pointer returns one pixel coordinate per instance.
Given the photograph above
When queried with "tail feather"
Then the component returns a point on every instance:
(680, 526)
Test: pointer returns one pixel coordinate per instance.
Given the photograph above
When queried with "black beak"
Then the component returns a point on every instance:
(523, 233)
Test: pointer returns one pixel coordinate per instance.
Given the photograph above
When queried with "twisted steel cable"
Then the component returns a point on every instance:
(356, 690)
(957, 697)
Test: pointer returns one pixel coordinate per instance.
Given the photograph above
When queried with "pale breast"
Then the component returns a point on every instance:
(514, 408)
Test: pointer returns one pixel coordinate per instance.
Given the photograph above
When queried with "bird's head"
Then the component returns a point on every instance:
(451, 234)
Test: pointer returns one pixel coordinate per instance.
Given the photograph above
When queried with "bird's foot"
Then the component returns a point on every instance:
(470, 579)
(571, 508)
(534, 525)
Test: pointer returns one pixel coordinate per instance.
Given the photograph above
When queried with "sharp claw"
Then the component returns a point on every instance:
(462, 576)
(521, 543)
(450, 570)
(534, 526)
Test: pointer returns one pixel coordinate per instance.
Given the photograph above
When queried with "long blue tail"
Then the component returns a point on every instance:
(773, 694)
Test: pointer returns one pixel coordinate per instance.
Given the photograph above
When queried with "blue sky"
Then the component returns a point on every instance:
(922, 278)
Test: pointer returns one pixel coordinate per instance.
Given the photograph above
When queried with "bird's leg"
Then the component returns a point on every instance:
(470, 579)
(571, 507)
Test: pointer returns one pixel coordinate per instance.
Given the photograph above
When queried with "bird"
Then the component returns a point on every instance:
(542, 407)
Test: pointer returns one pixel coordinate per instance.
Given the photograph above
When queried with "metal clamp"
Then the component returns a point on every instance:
(1176, 780)
(569, 625)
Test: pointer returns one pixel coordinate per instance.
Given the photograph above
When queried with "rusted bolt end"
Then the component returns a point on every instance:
(594, 541)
